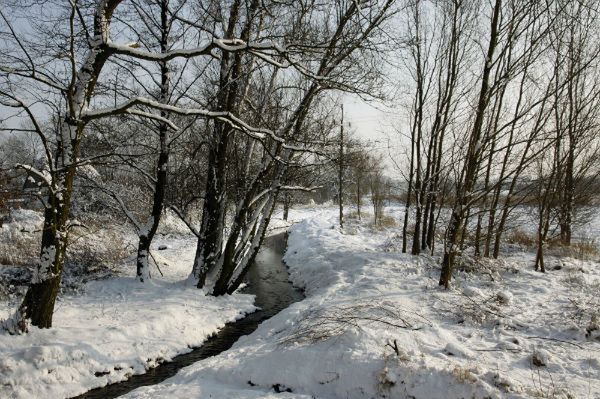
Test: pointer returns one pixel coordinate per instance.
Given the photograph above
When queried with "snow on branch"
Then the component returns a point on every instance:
(150, 115)
(300, 188)
(237, 123)
(44, 176)
(264, 50)
(127, 107)
(260, 195)
(288, 188)
(230, 45)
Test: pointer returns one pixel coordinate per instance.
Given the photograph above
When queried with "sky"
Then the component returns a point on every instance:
(378, 124)
(372, 121)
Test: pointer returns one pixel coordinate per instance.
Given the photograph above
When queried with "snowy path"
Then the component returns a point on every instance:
(116, 328)
(475, 341)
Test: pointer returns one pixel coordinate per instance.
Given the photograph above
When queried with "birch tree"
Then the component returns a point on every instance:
(64, 75)
(515, 31)
(344, 30)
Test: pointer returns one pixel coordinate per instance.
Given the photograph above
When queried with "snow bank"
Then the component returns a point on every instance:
(116, 328)
(375, 324)
(23, 220)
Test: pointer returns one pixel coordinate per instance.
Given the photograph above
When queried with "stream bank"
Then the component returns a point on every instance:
(267, 279)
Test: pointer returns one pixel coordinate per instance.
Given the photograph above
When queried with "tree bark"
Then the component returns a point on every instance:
(39, 300)
(464, 191)
(160, 187)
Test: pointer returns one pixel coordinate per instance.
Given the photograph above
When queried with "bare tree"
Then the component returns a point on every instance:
(70, 73)
(509, 23)
(226, 257)
(378, 187)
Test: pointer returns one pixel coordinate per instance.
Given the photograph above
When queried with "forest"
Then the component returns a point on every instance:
(162, 160)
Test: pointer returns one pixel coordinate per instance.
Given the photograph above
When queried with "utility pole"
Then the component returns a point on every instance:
(341, 171)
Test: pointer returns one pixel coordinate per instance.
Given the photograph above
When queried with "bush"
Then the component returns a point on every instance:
(520, 237)
(585, 250)
(386, 221)
(94, 252)
(20, 238)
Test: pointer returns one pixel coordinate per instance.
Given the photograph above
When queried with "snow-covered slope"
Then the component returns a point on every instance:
(116, 328)
(375, 324)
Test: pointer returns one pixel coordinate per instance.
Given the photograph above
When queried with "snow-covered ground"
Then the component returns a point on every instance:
(114, 328)
(375, 324)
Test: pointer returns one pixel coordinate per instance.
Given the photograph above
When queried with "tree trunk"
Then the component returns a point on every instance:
(341, 171)
(358, 182)
(286, 205)
(213, 212)
(451, 249)
(210, 240)
(149, 230)
(539, 255)
(569, 194)
(409, 192)
(38, 304)
(420, 104)
(465, 230)
(472, 161)
(416, 245)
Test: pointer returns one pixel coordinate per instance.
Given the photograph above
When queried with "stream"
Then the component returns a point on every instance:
(267, 279)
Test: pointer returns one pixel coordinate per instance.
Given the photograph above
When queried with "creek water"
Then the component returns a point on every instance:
(267, 278)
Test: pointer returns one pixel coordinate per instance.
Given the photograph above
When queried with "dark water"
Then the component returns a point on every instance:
(267, 279)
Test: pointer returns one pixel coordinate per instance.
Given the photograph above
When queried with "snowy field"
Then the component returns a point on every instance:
(114, 328)
(375, 324)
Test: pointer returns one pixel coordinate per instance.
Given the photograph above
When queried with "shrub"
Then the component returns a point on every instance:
(586, 250)
(520, 237)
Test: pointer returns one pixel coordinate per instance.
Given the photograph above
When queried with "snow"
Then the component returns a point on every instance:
(504, 297)
(24, 219)
(43, 272)
(116, 328)
(375, 324)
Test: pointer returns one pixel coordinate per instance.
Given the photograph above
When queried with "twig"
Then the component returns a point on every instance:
(394, 347)
(156, 264)
(555, 340)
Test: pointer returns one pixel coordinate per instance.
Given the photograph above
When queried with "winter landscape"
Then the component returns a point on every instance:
(300, 199)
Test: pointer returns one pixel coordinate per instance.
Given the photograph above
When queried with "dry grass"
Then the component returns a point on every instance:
(95, 252)
(477, 310)
(383, 223)
(520, 237)
(18, 253)
(463, 375)
(386, 222)
(332, 322)
(353, 215)
(584, 250)
(19, 250)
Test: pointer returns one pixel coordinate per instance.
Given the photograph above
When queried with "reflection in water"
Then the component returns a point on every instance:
(267, 279)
